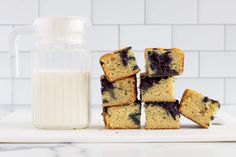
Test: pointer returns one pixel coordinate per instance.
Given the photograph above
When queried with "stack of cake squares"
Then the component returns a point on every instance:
(157, 87)
(121, 109)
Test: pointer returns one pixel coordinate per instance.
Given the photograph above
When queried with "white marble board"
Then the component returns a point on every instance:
(16, 127)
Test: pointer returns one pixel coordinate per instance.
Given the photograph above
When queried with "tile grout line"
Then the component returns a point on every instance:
(225, 37)
(149, 24)
(38, 8)
(161, 24)
(94, 77)
(199, 56)
(91, 52)
(224, 94)
(11, 77)
(13, 24)
(197, 12)
(12, 91)
(97, 105)
(16, 105)
(190, 78)
(12, 86)
(20, 52)
(172, 35)
(187, 51)
(145, 13)
(92, 12)
(119, 36)
(18, 78)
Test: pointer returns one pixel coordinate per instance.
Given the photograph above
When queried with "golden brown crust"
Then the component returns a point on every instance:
(102, 59)
(161, 91)
(122, 102)
(160, 128)
(158, 117)
(203, 126)
(115, 124)
(120, 49)
(112, 57)
(104, 114)
(150, 100)
(185, 94)
(108, 127)
(181, 55)
(182, 64)
(148, 49)
(120, 78)
(183, 97)
(193, 96)
(105, 56)
(158, 49)
(111, 53)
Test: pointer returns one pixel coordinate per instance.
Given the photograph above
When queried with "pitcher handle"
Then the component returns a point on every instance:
(14, 46)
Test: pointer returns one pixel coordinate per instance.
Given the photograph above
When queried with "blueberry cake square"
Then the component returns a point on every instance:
(162, 115)
(119, 64)
(154, 89)
(122, 117)
(164, 62)
(118, 92)
(198, 107)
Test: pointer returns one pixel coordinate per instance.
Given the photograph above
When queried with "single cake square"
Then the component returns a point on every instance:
(198, 107)
(154, 89)
(164, 62)
(162, 115)
(122, 117)
(119, 64)
(119, 92)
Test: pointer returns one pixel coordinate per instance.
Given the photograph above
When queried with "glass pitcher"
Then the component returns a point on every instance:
(60, 71)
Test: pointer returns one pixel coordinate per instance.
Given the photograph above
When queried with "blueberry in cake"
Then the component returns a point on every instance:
(119, 92)
(198, 107)
(122, 117)
(162, 115)
(119, 64)
(164, 62)
(154, 89)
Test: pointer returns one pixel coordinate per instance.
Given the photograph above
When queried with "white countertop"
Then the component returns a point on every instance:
(120, 149)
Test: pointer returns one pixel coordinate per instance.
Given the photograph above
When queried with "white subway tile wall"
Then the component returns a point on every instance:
(145, 36)
(65, 8)
(118, 11)
(4, 33)
(18, 11)
(25, 65)
(21, 91)
(221, 64)
(217, 11)
(103, 38)
(213, 88)
(205, 29)
(191, 61)
(5, 91)
(230, 37)
(4, 65)
(230, 85)
(199, 37)
(172, 11)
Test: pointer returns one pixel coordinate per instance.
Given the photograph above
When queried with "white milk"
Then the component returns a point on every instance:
(61, 99)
